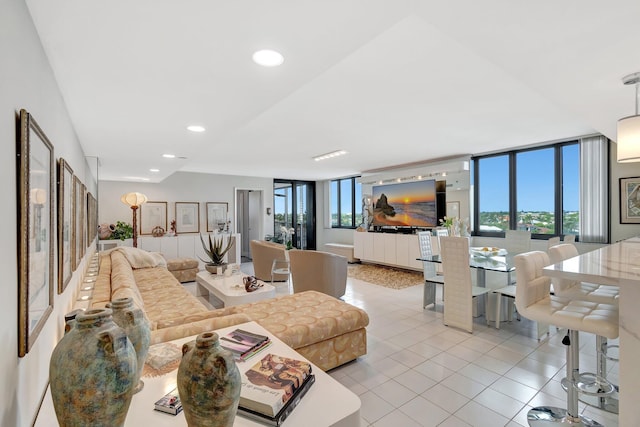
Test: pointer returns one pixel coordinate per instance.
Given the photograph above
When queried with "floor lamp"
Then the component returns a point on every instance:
(134, 200)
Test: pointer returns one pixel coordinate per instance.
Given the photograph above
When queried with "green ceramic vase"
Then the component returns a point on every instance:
(92, 372)
(208, 382)
(132, 320)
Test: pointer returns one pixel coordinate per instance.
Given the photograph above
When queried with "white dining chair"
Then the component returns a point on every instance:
(431, 278)
(569, 238)
(459, 290)
(553, 241)
(517, 241)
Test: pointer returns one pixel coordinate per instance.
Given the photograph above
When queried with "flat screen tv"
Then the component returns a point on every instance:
(406, 204)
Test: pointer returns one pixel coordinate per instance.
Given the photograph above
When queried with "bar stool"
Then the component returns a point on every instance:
(604, 294)
(534, 302)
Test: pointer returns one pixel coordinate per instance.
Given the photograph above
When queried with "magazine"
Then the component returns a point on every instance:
(169, 403)
(244, 344)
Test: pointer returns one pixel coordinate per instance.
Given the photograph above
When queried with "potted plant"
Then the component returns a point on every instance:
(215, 252)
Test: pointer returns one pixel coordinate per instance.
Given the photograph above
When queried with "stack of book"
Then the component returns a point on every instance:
(169, 403)
(273, 387)
(244, 344)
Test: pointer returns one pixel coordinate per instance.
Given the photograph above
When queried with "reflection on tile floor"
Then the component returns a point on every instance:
(418, 372)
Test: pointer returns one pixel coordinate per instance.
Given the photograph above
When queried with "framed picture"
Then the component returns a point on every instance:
(453, 209)
(65, 202)
(152, 215)
(187, 217)
(92, 218)
(78, 222)
(630, 200)
(36, 190)
(216, 215)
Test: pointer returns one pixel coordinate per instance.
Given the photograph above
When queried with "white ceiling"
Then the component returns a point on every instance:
(392, 82)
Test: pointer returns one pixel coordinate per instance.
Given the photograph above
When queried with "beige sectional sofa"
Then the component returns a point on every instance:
(327, 331)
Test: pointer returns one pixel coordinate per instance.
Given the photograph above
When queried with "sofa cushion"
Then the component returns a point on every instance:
(305, 318)
(123, 283)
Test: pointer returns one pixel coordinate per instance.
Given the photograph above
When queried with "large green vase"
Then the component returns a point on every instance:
(132, 320)
(208, 383)
(92, 372)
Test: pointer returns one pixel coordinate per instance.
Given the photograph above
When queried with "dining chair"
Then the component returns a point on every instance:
(459, 291)
(431, 277)
(569, 238)
(517, 241)
(553, 241)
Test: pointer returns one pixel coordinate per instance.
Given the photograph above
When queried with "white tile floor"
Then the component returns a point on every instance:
(418, 372)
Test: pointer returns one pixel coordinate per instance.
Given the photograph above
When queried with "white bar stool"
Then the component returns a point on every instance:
(604, 294)
(534, 302)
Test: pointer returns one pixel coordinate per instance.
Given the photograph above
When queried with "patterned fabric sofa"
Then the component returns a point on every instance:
(327, 331)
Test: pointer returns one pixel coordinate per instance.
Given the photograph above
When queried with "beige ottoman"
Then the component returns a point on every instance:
(184, 269)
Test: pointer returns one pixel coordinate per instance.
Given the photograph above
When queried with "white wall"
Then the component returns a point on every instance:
(27, 81)
(185, 187)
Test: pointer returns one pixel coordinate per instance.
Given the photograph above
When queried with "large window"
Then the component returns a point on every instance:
(346, 203)
(534, 189)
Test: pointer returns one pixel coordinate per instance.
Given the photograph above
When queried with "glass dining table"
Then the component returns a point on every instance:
(481, 263)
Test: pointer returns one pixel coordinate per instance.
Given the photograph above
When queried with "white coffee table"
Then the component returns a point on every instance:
(230, 289)
(327, 403)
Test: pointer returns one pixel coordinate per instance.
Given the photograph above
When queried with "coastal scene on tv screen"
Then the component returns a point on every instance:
(407, 204)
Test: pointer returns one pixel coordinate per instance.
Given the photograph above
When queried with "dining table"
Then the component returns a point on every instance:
(617, 264)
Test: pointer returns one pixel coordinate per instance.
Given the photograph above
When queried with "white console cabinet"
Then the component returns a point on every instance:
(181, 246)
(398, 250)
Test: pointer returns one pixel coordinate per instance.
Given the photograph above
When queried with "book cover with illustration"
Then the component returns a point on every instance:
(244, 344)
(271, 382)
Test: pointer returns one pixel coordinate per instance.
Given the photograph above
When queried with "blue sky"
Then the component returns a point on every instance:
(535, 181)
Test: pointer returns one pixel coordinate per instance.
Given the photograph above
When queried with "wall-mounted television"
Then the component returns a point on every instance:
(406, 204)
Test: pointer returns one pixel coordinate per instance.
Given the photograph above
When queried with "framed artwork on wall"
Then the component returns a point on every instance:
(187, 217)
(78, 222)
(92, 218)
(65, 223)
(630, 200)
(36, 190)
(152, 215)
(216, 215)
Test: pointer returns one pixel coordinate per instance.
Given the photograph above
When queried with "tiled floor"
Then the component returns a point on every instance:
(418, 372)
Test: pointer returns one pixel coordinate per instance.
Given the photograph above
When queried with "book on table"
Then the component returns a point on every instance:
(286, 410)
(169, 403)
(270, 383)
(244, 344)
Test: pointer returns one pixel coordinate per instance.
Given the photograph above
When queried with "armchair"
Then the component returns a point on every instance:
(263, 254)
(319, 271)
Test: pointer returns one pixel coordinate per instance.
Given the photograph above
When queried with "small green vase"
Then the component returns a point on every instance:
(93, 372)
(208, 383)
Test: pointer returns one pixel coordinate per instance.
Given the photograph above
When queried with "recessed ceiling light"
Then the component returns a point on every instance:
(154, 170)
(169, 156)
(268, 58)
(329, 155)
(196, 128)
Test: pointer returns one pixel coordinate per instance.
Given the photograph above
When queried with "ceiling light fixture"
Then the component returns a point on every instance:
(169, 156)
(329, 155)
(196, 128)
(154, 170)
(629, 127)
(268, 58)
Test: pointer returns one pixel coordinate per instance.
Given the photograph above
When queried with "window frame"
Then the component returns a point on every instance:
(338, 182)
(513, 191)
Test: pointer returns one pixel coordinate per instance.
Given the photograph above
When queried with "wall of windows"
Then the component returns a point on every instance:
(535, 189)
(346, 203)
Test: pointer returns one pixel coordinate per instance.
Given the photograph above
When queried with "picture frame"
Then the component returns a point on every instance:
(65, 223)
(78, 221)
(36, 192)
(153, 214)
(187, 217)
(92, 218)
(630, 200)
(453, 209)
(216, 215)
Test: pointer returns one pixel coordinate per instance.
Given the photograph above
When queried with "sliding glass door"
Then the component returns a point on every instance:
(294, 208)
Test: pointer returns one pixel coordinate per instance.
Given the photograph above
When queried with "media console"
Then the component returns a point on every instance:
(393, 249)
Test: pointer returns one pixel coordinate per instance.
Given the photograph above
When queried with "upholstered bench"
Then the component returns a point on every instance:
(342, 249)
(183, 269)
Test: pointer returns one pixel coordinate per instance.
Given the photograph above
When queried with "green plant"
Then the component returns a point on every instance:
(215, 250)
(123, 231)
